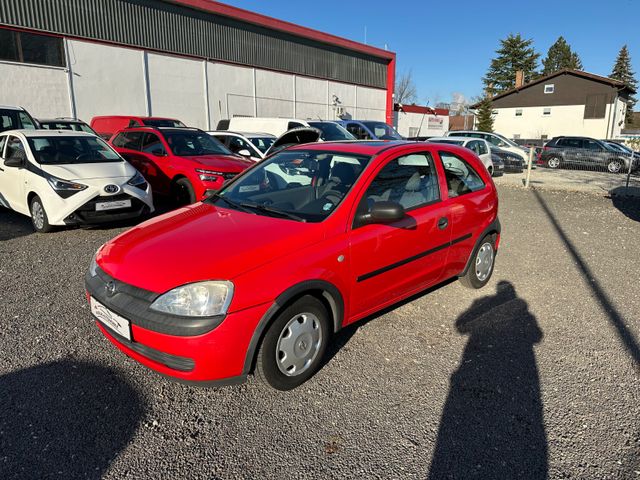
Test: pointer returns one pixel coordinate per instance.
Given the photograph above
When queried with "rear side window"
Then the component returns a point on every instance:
(461, 177)
(152, 144)
(130, 140)
(410, 180)
(570, 143)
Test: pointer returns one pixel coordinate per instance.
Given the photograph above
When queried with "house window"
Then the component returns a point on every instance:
(31, 48)
(516, 136)
(544, 137)
(518, 112)
(546, 111)
(595, 106)
(549, 88)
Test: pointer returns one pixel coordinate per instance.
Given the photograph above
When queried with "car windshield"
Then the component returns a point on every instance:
(164, 122)
(332, 131)
(262, 143)
(187, 144)
(382, 131)
(302, 185)
(15, 119)
(65, 150)
(615, 147)
(74, 126)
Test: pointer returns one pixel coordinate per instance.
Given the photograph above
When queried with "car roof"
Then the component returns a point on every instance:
(454, 139)
(10, 107)
(59, 120)
(160, 129)
(49, 133)
(244, 134)
(135, 116)
(370, 147)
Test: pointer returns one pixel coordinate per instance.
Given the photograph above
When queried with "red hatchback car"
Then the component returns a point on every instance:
(261, 275)
(186, 164)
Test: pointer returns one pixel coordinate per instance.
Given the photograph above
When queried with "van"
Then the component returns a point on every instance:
(107, 125)
(331, 131)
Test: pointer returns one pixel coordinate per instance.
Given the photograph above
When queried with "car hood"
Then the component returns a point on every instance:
(201, 242)
(90, 171)
(226, 163)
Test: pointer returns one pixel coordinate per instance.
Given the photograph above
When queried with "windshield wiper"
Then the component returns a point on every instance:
(282, 213)
(237, 205)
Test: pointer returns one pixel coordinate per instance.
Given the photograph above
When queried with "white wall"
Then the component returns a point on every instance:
(564, 120)
(110, 80)
(618, 122)
(42, 91)
(409, 124)
(107, 80)
(177, 89)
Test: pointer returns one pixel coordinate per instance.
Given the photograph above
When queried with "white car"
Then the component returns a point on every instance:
(251, 145)
(67, 178)
(495, 139)
(479, 146)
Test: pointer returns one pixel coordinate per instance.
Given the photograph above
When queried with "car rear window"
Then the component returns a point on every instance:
(164, 122)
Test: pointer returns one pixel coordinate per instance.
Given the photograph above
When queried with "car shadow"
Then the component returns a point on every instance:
(492, 423)
(65, 419)
(14, 225)
(627, 200)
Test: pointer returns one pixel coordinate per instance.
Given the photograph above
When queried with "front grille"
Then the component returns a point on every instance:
(87, 213)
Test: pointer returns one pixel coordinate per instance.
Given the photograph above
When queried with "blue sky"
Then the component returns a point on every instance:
(448, 45)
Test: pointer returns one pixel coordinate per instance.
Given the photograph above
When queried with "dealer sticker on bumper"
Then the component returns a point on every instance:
(111, 319)
(101, 206)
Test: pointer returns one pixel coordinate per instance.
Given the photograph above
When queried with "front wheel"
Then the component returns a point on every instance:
(183, 192)
(39, 217)
(615, 166)
(481, 268)
(294, 345)
(553, 162)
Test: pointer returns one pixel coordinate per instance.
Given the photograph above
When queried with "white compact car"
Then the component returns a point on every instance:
(67, 178)
(479, 146)
(494, 139)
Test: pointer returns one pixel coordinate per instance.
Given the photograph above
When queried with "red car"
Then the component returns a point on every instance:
(186, 164)
(261, 275)
(106, 125)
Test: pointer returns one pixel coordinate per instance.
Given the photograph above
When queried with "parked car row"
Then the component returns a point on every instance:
(585, 152)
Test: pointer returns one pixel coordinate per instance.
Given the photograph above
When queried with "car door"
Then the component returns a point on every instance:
(154, 160)
(393, 260)
(573, 149)
(12, 178)
(594, 154)
(129, 145)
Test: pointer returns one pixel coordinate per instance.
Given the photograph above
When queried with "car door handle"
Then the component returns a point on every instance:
(443, 223)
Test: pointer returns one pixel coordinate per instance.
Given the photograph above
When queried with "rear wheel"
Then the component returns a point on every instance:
(39, 217)
(553, 162)
(481, 268)
(292, 349)
(183, 192)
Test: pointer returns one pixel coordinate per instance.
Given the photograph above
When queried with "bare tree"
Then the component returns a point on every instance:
(405, 89)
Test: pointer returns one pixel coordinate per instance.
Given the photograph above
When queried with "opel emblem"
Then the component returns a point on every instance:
(110, 288)
(112, 188)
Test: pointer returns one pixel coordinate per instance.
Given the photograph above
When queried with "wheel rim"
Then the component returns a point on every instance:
(614, 167)
(298, 344)
(554, 162)
(37, 215)
(484, 261)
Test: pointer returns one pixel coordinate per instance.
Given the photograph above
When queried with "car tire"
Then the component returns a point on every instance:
(481, 268)
(553, 162)
(183, 193)
(293, 347)
(39, 217)
(615, 165)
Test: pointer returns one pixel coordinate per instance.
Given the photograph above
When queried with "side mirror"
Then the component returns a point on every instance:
(16, 161)
(244, 152)
(382, 212)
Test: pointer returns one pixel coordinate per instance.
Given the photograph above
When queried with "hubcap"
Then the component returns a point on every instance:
(484, 261)
(614, 167)
(298, 344)
(37, 214)
(554, 162)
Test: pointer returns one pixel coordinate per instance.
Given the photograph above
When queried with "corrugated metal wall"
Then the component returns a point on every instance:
(170, 28)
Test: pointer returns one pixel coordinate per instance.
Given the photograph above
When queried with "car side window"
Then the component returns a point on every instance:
(473, 146)
(130, 140)
(3, 140)
(26, 121)
(591, 145)
(236, 144)
(482, 148)
(15, 148)
(410, 180)
(461, 177)
(152, 144)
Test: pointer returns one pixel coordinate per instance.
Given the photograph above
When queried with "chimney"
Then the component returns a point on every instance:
(519, 78)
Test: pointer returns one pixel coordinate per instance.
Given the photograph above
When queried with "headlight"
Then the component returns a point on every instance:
(138, 181)
(201, 299)
(209, 175)
(64, 188)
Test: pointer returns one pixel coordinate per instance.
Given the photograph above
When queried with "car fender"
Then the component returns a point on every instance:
(493, 227)
(330, 292)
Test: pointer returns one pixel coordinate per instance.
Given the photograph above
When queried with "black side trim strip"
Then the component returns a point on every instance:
(369, 275)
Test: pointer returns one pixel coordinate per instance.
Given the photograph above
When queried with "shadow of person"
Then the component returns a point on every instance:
(65, 419)
(627, 200)
(492, 424)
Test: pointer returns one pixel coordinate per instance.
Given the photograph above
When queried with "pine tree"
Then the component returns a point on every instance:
(622, 71)
(484, 115)
(515, 53)
(559, 57)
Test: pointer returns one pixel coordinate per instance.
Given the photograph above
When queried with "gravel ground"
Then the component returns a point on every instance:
(535, 376)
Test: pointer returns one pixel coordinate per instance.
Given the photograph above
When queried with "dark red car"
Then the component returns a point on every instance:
(186, 164)
(318, 236)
